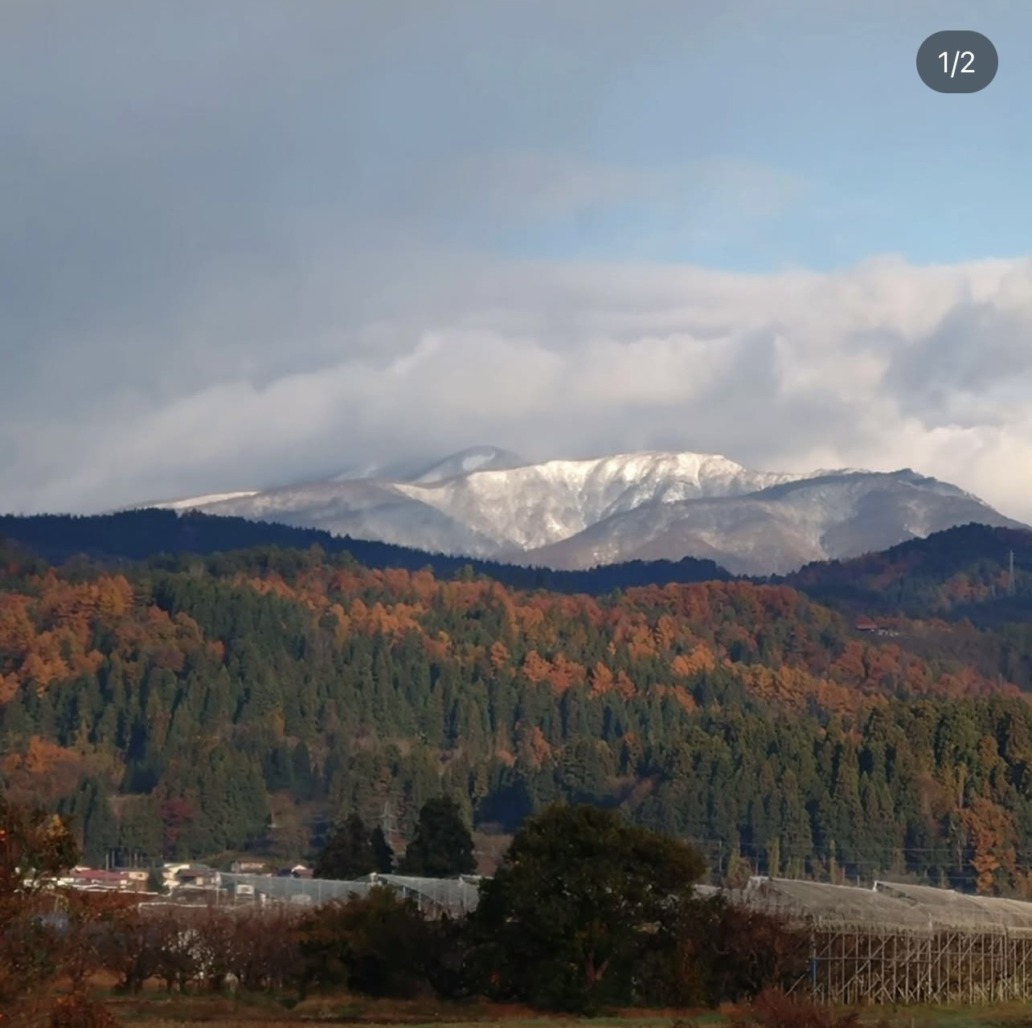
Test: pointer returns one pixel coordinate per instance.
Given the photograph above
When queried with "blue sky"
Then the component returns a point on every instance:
(245, 242)
(820, 99)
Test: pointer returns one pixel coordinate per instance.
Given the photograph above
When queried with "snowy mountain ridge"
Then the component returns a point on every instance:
(491, 503)
(536, 504)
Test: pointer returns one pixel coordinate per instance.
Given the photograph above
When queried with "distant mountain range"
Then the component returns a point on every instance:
(574, 514)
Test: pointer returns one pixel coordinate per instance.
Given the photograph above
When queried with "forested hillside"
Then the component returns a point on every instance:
(960, 573)
(140, 534)
(207, 705)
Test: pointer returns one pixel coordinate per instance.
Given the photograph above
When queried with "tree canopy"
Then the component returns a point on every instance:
(442, 845)
(35, 848)
(349, 854)
(580, 895)
(192, 706)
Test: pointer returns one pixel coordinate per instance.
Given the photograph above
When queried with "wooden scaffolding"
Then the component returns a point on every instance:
(904, 944)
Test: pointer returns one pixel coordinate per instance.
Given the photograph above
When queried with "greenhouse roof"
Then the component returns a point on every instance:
(453, 895)
(888, 905)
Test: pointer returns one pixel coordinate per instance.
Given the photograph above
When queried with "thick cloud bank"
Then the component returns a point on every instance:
(881, 366)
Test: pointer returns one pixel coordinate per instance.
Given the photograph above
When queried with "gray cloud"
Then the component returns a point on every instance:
(776, 371)
(972, 369)
(238, 247)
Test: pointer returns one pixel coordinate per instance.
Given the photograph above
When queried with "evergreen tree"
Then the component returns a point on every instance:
(158, 706)
(383, 854)
(302, 773)
(442, 845)
(349, 854)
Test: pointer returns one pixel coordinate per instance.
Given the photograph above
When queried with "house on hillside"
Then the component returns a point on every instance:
(297, 871)
(198, 877)
(192, 876)
(865, 624)
(102, 880)
(248, 867)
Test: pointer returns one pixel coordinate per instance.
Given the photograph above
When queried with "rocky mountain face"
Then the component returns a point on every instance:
(490, 503)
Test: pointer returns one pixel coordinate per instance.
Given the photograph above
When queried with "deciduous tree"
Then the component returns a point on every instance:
(580, 896)
(35, 848)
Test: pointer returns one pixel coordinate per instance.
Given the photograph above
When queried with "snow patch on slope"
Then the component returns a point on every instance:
(476, 458)
(538, 504)
(197, 502)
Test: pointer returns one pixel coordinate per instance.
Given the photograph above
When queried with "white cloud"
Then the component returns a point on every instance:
(882, 366)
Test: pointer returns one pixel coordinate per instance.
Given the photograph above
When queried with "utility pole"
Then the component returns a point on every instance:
(388, 823)
(1010, 576)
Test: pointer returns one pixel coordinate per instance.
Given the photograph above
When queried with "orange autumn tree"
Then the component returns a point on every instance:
(992, 839)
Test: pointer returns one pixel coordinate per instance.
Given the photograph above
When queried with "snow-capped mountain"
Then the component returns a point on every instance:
(487, 502)
(832, 515)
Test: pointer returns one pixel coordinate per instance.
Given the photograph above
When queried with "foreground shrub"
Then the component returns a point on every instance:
(747, 952)
(35, 848)
(774, 1009)
(76, 1011)
(376, 944)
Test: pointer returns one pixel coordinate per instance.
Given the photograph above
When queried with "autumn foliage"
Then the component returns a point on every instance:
(166, 707)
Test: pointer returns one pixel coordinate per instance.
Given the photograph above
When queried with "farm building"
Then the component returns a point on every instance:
(903, 943)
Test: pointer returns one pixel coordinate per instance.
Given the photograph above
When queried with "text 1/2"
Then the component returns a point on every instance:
(957, 56)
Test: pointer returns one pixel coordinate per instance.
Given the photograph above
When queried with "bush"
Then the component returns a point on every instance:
(774, 1009)
(76, 1011)
(749, 952)
(376, 945)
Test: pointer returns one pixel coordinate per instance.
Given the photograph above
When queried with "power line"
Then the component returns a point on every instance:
(863, 860)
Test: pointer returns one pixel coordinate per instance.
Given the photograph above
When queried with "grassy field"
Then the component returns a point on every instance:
(161, 1011)
(919, 1019)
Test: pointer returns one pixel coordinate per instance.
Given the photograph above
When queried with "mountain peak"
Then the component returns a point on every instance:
(465, 462)
(488, 502)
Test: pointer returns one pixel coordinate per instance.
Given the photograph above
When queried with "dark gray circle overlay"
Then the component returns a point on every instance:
(957, 61)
